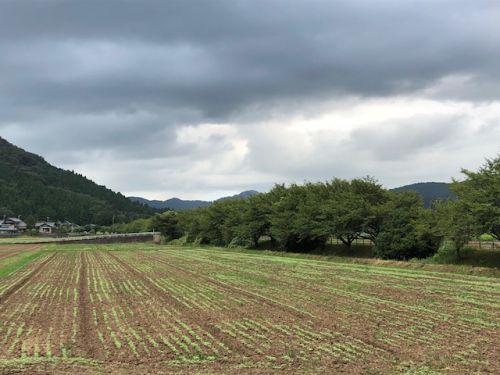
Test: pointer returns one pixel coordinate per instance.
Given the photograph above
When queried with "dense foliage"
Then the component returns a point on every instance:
(304, 217)
(477, 209)
(407, 230)
(31, 187)
(480, 192)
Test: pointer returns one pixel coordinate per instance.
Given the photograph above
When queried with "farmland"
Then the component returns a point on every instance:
(160, 309)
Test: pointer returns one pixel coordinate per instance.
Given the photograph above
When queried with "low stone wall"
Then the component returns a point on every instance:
(106, 240)
(102, 238)
(484, 245)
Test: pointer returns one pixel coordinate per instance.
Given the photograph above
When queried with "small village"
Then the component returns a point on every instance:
(15, 226)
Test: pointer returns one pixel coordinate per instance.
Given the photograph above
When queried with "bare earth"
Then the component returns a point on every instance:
(180, 310)
(12, 250)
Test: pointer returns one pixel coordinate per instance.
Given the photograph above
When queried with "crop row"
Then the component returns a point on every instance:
(40, 317)
(185, 306)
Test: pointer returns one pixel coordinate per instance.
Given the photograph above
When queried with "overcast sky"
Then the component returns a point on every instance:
(199, 99)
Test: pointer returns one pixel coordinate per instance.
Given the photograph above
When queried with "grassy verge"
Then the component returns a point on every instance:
(131, 246)
(468, 257)
(474, 262)
(12, 264)
(426, 265)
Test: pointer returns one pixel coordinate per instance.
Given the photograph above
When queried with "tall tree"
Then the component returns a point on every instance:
(292, 219)
(350, 205)
(457, 223)
(168, 224)
(404, 232)
(480, 192)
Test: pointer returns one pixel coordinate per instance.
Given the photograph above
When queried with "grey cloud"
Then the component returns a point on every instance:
(405, 139)
(242, 52)
(135, 136)
(422, 148)
(79, 79)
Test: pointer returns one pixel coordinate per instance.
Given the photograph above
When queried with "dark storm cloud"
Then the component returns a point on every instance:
(84, 81)
(218, 57)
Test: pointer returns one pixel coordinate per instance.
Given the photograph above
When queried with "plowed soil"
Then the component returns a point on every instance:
(180, 310)
(7, 251)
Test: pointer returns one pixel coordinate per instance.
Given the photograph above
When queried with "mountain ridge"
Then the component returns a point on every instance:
(177, 204)
(428, 191)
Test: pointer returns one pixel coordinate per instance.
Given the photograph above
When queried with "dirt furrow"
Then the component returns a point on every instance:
(31, 247)
(86, 332)
(5, 255)
(280, 315)
(204, 319)
(234, 289)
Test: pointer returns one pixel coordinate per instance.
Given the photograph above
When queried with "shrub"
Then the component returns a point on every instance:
(240, 242)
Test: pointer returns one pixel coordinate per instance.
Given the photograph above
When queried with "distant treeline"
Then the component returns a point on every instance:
(303, 218)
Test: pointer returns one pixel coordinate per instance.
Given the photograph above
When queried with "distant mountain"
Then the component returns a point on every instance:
(243, 195)
(177, 204)
(34, 189)
(429, 191)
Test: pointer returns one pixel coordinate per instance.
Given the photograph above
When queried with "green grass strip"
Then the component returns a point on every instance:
(12, 264)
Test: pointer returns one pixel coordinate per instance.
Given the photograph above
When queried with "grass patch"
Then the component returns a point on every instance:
(468, 257)
(419, 264)
(12, 264)
(243, 278)
(133, 246)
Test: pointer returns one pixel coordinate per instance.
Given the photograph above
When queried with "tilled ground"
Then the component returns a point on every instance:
(199, 311)
(7, 251)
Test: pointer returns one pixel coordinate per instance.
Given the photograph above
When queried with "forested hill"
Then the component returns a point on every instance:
(429, 191)
(31, 187)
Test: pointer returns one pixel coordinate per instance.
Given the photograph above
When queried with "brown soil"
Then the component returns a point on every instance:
(18, 285)
(86, 331)
(20, 247)
(7, 251)
(161, 312)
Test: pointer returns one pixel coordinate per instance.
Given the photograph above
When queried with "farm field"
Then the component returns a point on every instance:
(7, 251)
(142, 308)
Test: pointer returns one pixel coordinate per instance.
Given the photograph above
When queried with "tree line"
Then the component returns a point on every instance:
(302, 218)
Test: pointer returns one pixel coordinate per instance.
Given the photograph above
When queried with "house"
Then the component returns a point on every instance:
(7, 229)
(12, 225)
(67, 225)
(17, 222)
(46, 227)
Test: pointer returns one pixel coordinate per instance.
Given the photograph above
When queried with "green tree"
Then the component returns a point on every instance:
(347, 206)
(374, 200)
(480, 194)
(256, 220)
(295, 216)
(168, 224)
(232, 227)
(406, 230)
(194, 225)
(456, 222)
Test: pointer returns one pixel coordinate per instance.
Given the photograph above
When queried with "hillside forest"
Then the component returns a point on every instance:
(34, 189)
